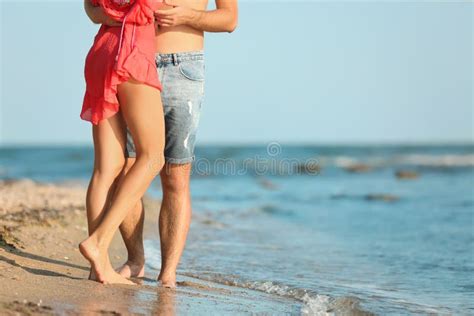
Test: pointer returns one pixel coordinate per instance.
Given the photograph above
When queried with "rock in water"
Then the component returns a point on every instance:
(358, 168)
(381, 197)
(308, 168)
(407, 174)
(267, 184)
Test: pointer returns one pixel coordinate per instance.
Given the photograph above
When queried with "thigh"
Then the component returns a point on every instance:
(143, 113)
(109, 143)
(130, 150)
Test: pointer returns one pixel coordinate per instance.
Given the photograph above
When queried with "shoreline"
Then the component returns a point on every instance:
(324, 242)
(43, 273)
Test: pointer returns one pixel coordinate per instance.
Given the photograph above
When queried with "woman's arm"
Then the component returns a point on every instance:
(97, 15)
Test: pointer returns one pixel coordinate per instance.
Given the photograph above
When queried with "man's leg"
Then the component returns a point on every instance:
(131, 230)
(175, 218)
(182, 77)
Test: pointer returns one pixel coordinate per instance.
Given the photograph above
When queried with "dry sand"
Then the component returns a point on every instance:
(42, 271)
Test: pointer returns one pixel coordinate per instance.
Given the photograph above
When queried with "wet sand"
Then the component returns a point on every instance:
(42, 271)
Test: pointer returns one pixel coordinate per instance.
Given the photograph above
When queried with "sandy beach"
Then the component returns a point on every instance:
(359, 236)
(42, 271)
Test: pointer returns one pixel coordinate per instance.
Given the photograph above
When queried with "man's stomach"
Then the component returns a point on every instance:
(178, 39)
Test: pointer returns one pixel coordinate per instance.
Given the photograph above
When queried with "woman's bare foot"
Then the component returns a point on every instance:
(91, 252)
(113, 277)
(104, 273)
(92, 275)
(132, 270)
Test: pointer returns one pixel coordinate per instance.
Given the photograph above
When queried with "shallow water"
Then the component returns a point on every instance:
(330, 240)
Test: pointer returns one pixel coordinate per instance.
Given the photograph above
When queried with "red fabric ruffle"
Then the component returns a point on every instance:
(119, 54)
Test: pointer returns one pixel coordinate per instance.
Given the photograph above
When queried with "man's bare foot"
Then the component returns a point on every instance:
(167, 281)
(100, 265)
(132, 270)
(168, 285)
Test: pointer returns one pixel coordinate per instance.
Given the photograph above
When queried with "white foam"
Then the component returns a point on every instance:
(314, 304)
(441, 160)
(426, 160)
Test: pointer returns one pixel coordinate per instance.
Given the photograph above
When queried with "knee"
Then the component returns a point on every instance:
(153, 161)
(128, 165)
(109, 171)
(175, 183)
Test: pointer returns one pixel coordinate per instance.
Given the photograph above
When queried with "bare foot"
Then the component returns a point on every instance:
(131, 270)
(100, 265)
(91, 252)
(168, 285)
(92, 275)
(115, 278)
(167, 281)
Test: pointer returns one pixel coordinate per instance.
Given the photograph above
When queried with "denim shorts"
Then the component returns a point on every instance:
(182, 78)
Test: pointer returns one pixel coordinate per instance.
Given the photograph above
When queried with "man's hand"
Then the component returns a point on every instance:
(98, 16)
(222, 19)
(178, 15)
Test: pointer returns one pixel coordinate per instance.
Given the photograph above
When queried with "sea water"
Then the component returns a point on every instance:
(330, 227)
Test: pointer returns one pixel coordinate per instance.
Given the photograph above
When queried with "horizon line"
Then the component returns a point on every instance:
(265, 143)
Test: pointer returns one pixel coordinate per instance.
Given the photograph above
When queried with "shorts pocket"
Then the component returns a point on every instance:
(192, 69)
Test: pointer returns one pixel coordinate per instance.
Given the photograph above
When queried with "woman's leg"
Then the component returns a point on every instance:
(109, 140)
(143, 113)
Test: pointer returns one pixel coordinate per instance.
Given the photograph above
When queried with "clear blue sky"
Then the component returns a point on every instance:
(306, 72)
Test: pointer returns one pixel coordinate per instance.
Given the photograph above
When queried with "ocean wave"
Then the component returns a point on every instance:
(422, 160)
(313, 303)
(313, 165)
(439, 161)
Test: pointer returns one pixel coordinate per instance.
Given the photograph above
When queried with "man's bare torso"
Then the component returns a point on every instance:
(181, 38)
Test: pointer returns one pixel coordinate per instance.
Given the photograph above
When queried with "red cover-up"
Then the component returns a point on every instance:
(118, 54)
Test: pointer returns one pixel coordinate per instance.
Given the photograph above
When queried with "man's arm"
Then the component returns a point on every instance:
(98, 16)
(223, 19)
